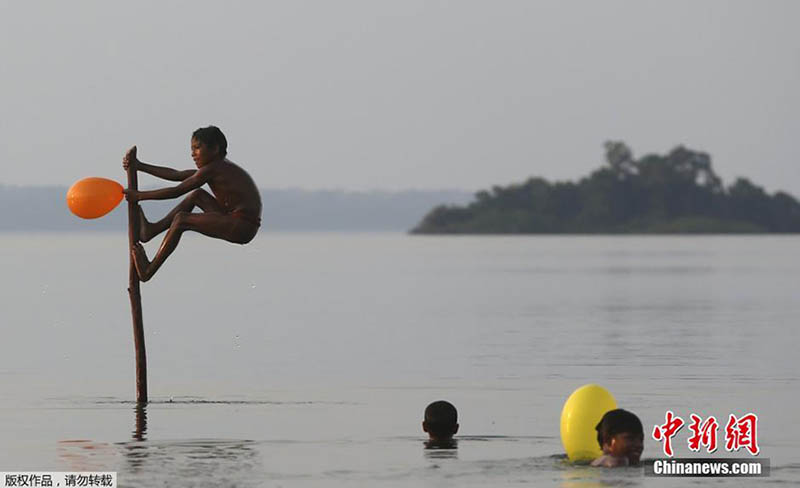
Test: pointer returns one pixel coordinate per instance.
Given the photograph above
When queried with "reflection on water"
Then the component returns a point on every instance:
(140, 430)
(439, 454)
(590, 477)
(436, 450)
(135, 452)
(230, 462)
(86, 455)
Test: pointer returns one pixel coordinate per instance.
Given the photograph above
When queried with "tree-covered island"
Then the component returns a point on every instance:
(675, 193)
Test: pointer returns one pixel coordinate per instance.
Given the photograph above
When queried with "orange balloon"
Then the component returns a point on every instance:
(91, 198)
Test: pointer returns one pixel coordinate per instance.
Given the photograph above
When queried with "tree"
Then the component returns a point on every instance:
(620, 157)
(676, 192)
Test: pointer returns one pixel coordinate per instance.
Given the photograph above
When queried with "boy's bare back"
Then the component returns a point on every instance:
(234, 189)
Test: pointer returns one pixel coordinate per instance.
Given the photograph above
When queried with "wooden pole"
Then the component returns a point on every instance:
(133, 292)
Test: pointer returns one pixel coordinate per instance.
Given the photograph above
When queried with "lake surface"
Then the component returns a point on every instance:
(308, 359)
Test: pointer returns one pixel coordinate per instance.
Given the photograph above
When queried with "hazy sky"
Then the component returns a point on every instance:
(399, 94)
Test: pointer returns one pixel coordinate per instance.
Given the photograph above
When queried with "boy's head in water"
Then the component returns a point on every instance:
(621, 438)
(441, 421)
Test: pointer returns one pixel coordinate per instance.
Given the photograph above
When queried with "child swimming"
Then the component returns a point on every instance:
(621, 437)
(441, 424)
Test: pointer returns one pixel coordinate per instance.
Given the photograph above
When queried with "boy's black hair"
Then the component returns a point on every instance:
(211, 136)
(616, 422)
(441, 418)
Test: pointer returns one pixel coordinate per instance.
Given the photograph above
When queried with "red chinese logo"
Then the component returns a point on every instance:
(667, 431)
(703, 434)
(741, 433)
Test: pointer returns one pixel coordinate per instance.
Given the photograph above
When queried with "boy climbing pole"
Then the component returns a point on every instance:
(232, 213)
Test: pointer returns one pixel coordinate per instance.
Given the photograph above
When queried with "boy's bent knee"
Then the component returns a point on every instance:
(180, 219)
(197, 194)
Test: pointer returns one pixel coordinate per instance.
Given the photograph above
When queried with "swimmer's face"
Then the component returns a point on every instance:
(202, 154)
(628, 445)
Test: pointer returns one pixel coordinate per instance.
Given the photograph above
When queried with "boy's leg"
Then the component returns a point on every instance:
(213, 224)
(197, 198)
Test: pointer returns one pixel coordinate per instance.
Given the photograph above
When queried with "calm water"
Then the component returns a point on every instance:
(307, 359)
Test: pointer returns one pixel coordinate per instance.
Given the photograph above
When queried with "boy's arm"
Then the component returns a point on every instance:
(165, 173)
(157, 171)
(198, 179)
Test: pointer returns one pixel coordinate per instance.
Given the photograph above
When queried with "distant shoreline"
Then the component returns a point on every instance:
(43, 208)
(676, 193)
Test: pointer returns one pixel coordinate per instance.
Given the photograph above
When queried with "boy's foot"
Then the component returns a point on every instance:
(144, 227)
(140, 261)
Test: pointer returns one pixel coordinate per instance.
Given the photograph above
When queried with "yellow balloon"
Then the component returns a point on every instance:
(581, 413)
(91, 198)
